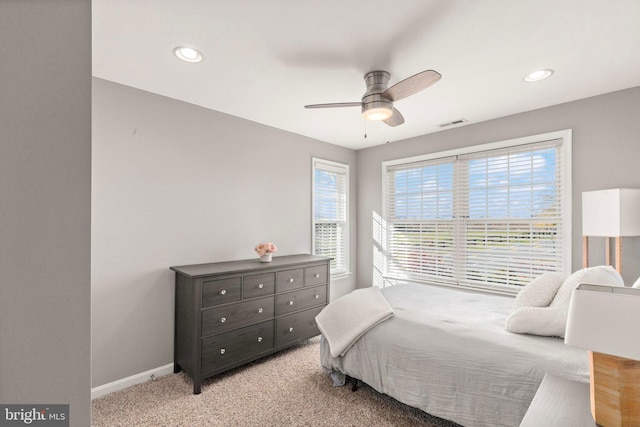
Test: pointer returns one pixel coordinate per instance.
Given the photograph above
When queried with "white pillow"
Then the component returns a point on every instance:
(540, 291)
(552, 320)
(544, 321)
(636, 284)
(599, 275)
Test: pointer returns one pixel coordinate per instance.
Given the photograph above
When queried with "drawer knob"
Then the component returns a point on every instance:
(260, 310)
(223, 292)
(290, 302)
(317, 275)
(259, 339)
(290, 329)
(223, 319)
(317, 296)
(222, 350)
(291, 280)
(260, 285)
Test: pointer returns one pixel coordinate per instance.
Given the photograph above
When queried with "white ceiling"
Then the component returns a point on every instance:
(266, 59)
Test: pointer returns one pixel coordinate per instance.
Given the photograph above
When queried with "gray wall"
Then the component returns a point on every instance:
(177, 184)
(606, 154)
(45, 173)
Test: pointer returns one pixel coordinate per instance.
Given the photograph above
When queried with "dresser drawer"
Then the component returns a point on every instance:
(235, 346)
(289, 279)
(258, 285)
(315, 275)
(232, 316)
(297, 326)
(299, 300)
(221, 291)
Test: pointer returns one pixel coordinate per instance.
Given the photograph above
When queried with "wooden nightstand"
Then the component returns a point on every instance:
(560, 403)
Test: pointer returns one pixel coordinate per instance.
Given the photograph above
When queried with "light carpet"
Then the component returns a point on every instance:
(288, 388)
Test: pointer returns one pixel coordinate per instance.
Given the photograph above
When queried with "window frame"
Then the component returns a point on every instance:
(342, 168)
(566, 194)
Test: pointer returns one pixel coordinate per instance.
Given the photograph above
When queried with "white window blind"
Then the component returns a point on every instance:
(330, 201)
(487, 219)
(421, 226)
(511, 206)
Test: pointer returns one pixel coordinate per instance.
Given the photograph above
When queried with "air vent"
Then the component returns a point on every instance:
(453, 123)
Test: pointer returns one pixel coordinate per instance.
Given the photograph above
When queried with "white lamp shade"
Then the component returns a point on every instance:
(611, 213)
(605, 319)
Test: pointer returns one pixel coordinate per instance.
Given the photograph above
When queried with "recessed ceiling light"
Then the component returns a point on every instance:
(537, 75)
(187, 54)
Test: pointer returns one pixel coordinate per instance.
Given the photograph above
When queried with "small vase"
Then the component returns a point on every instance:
(265, 258)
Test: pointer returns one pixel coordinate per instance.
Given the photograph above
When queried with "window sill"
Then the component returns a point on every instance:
(340, 276)
(499, 290)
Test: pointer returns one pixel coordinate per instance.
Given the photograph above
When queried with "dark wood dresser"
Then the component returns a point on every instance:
(231, 313)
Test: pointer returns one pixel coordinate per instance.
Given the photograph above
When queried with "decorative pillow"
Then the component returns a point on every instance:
(552, 320)
(540, 291)
(636, 284)
(599, 275)
(544, 321)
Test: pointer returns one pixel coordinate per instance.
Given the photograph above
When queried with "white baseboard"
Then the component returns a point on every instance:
(142, 377)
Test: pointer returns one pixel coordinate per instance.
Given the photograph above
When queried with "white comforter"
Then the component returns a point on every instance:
(446, 352)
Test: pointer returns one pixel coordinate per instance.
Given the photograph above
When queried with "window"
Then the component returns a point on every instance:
(491, 216)
(330, 212)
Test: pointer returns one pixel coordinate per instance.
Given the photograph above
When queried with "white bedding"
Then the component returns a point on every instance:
(346, 319)
(446, 352)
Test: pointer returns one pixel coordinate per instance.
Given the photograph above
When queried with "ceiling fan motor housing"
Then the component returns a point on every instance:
(377, 82)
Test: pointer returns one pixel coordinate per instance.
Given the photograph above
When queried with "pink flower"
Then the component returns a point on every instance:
(265, 248)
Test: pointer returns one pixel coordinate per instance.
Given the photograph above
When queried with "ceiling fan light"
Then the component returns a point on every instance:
(378, 113)
(375, 107)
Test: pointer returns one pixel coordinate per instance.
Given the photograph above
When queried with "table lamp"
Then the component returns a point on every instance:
(606, 321)
(610, 213)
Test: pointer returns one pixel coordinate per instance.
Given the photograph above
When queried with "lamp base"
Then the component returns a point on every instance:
(615, 390)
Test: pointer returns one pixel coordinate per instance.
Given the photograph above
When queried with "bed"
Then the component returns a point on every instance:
(446, 352)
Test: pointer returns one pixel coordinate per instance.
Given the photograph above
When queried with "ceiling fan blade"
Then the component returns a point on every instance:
(335, 105)
(395, 119)
(411, 85)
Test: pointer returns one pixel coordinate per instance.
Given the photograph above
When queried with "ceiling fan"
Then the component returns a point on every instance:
(377, 101)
